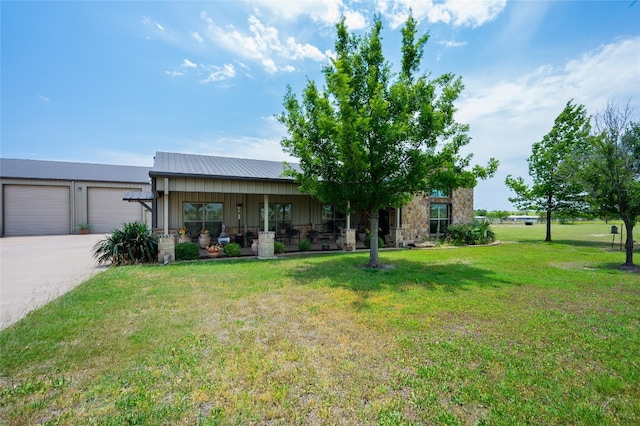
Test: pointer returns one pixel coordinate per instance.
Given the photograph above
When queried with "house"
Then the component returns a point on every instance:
(199, 191)
(53, 197)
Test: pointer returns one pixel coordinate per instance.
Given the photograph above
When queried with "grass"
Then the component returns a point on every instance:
(525, 332)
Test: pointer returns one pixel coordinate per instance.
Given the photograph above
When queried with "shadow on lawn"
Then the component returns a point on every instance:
(351, 273)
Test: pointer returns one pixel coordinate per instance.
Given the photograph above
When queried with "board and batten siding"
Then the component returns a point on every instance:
(228, 186)
(305, 210)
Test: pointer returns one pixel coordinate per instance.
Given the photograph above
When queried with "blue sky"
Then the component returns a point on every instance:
(114, 82)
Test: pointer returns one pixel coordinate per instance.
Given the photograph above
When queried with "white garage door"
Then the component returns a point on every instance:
(107, 211)
(36, 210)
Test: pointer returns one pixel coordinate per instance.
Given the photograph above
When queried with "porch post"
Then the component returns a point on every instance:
(348, 215)
(266, 238)
(396, 233)
(165, 216)
(348, 235)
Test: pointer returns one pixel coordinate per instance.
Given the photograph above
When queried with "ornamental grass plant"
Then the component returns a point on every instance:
(525, 332)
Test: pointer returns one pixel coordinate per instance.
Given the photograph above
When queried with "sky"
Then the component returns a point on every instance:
(114, 82)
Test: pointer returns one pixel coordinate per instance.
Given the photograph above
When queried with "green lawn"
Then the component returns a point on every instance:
(525, 332)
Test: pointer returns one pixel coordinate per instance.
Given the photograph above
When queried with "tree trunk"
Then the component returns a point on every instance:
(628, 245)
(548, 237)
(373, 242)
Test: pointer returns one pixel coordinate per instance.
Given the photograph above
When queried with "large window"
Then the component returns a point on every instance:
(280, 218)
(203, 215)
(332, 220)
(439, 217)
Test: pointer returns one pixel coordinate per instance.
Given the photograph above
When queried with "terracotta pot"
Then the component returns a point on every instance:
(254, 246)
(213, 254)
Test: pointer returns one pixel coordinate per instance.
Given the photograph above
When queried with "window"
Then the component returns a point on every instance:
(439, 218)
(202, 215)
(332, 220)
(439, 193)
(279, 217)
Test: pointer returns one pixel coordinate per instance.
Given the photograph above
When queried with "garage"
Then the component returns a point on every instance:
(36, 210)
(107, 211)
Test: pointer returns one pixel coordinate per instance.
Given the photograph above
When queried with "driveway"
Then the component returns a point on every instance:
(37, 270)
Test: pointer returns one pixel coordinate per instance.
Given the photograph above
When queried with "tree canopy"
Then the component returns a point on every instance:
(553, 190)
(370, 138)
(609, 169)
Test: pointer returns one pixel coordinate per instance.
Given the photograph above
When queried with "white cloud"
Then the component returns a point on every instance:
(452, 43)
(197, 36)
(327, 12)
(225, 72)
(473, 13)
(188, 64)
(262, 44)
(45, 98)
(506, 117)
(175, 73)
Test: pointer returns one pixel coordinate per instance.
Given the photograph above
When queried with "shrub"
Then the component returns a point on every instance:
(279, 247)
(367, 242)
(134, 243)
(304, 245)
(187, 251)
(232, 249)
(474, 234)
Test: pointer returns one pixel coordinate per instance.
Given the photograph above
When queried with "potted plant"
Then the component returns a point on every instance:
(204, 239)
(84, 228)
(214, 250)
(313, 235)
(362, 233)
(184, 237)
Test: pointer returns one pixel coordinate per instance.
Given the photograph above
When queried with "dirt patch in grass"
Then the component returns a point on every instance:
(310, 353)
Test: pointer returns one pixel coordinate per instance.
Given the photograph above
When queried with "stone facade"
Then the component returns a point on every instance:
(415, 214)
(462, 206)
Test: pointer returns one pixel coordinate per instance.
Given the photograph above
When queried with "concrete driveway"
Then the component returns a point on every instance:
(36, 270)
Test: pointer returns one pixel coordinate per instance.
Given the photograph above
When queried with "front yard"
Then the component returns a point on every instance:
(524, 332)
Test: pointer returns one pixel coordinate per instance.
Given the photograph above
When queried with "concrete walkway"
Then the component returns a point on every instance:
(37, 270)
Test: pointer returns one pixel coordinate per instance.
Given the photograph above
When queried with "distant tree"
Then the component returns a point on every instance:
(369, 139)
(480, 212)
(609, 169)
(553, 190)
(499, 215)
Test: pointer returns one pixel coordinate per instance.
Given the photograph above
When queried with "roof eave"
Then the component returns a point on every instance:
(155, 174)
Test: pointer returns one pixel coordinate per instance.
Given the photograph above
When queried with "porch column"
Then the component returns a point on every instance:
(396, 233)
(348, 215)
(165, 215)
(266, 238)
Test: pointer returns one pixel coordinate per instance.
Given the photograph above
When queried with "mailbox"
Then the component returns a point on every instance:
(614, 229)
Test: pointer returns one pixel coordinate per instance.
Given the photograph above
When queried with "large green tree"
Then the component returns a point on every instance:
(371, 139)
(609, 169)
(553, 190)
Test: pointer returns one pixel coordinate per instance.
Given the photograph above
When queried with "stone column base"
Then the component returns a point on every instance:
(348, 239)
(265, 245)
(396, 236)
(166, 247)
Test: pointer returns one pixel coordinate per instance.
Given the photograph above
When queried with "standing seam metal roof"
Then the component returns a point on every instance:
(60, 170)
(176, 164)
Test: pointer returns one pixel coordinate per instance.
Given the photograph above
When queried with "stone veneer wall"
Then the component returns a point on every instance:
(415, 214)
(415, 219)
(462, 206)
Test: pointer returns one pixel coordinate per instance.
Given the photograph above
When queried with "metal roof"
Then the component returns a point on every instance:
(60, 170)
(192, 165)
